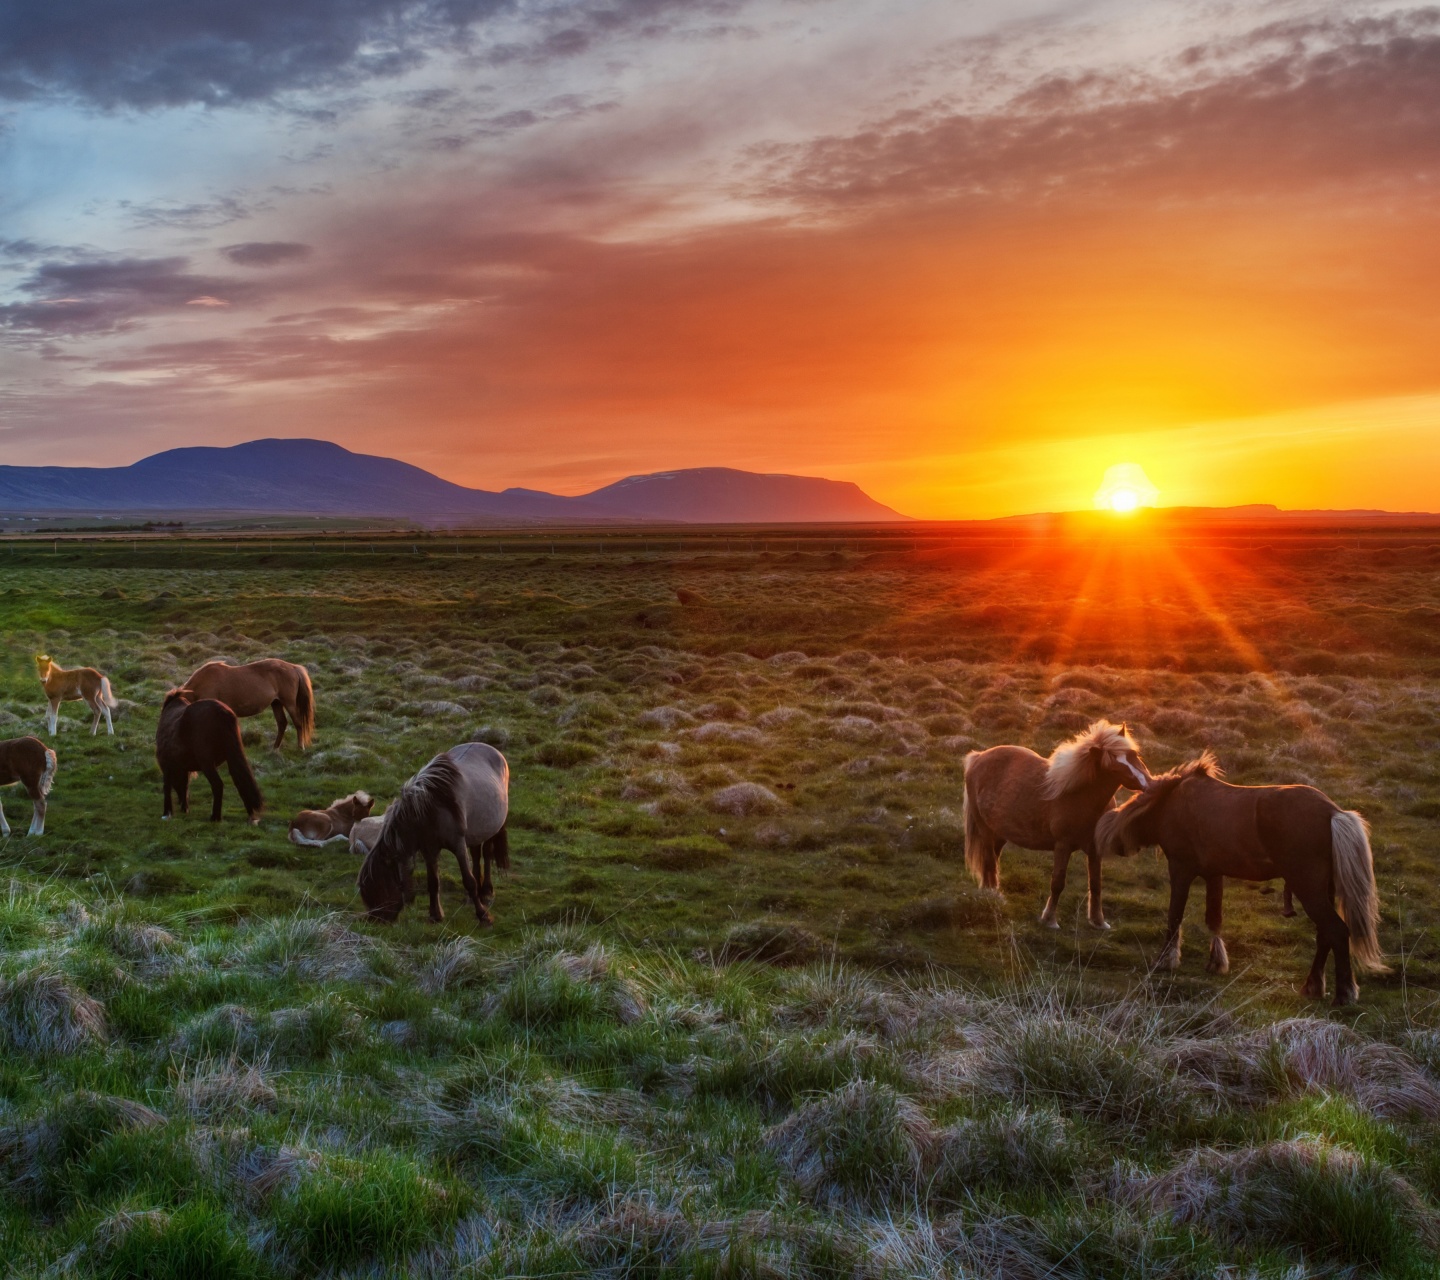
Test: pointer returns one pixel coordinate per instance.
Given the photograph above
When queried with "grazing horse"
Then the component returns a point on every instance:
(320, 826)
(31, 763)
(1208, 828)
(459, 801)
(79, 684)
(1013, 795)
(249, 689)
(196, 735)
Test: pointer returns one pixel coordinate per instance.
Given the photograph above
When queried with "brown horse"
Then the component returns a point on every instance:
(196, 735)
(78, 684)
(1211, 829)
(249, 689)
(31, 763)
(1013, 795)
(320, 826)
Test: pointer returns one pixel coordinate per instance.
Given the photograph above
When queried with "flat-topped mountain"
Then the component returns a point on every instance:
(316, 477)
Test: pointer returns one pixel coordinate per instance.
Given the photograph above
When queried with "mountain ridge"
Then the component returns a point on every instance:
(319, 477)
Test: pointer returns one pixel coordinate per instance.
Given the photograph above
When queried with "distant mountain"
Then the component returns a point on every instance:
(726, 496)
(315, 477)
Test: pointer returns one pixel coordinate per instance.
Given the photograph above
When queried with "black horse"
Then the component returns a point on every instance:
(197, 735)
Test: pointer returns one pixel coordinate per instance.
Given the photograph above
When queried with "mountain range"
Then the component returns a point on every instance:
(316, 477)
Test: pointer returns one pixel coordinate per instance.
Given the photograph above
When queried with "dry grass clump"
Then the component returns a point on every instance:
(1022, 1149)
(743, 799)
(312, 948)
(772, 942)
(1303, 1195)
(1301, 1055)
(861, 1146)
(563, 985)
(455, 962)
(216, 1089)
(227, 1030)
(45, 1013)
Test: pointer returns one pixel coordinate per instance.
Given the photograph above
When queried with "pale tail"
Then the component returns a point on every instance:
(976, 848)
(108, 698)
(1355, 887)
(48, 777)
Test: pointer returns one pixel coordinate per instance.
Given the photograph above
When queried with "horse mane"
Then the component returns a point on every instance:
(435, 789)
(1072, 764)
(1204, 765)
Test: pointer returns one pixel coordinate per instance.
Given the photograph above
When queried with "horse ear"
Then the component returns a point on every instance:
(1125, 727)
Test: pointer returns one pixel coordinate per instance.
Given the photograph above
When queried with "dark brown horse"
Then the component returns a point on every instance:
(31, 763)
(197, 735)
(1210, 829)
(459, 801)
(1013, 795)
(249, 689)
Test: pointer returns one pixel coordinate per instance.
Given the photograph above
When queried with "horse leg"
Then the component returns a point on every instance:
(487, 885)
(52, 717)
(278, 708)
(166, 813)
(1179, 896)
(1288, 908)
(4, 822)
(217, 790)
(1219, 961)
(1096, 909)
(182, 791)
(477, 891)
(109, 723)
(1048, 917)
(1316, 907)
(96, 707)
(432, 885)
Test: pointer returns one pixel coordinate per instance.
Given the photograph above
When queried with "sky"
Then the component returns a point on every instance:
(969, 255)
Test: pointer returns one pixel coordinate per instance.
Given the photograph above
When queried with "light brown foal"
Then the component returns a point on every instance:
(79, 684)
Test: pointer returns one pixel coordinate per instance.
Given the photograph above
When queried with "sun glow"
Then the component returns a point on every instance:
(1125, 488)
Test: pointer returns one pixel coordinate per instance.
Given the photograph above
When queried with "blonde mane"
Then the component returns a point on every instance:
(1075, 763)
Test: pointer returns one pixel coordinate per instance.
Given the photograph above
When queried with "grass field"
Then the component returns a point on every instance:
(742, 1012)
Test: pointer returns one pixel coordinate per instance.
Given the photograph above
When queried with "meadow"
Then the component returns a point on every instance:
(743, 1012)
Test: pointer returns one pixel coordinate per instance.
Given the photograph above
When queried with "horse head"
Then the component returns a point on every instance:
(1133, 825)
(386, 876)
(43, 663)
(1103, 752)
(1119, 757)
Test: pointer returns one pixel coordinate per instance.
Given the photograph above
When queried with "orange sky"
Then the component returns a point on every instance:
(967, 261)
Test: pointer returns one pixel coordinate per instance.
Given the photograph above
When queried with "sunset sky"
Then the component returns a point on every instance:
(968, 255)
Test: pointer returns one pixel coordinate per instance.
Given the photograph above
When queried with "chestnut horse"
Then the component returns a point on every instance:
(249, 689)
(320, 826)
(31, 763)
(78, 684)
(1208, 828)
(459, 801)
(1013, 795)
(196, 735)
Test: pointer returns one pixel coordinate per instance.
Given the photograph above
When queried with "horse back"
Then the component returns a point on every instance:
(21, 760)
(486, 790)
(1005, 784)
(1294, 820)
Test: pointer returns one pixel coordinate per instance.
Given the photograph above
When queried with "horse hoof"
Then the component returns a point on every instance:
(485, 922)
(1103, 924)
(1311, 992)
(1048, 923)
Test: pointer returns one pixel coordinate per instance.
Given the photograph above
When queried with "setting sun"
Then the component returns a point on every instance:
(1125, 488)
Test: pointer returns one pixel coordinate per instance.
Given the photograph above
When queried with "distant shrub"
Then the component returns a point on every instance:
(772, 941)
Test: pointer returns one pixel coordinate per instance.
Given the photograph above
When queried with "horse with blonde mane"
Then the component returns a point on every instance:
(250, 688)
(1014, 796)
(78, 684)
(31, 763)
(1210, 829)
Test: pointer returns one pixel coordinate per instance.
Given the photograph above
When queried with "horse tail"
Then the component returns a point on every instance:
(108, 698)
(241, 774)
(304, 707)
(977, 847)
(1355, 886)
(47, 775)
(499, 847)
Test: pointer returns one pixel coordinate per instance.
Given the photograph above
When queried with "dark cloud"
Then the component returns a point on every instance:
(103, 295)
(1289, 106)
(265, 253)
(164, 53)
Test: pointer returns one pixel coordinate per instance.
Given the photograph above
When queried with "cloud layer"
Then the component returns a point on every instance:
(556, 243)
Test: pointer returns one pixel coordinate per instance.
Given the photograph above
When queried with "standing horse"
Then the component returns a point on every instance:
(31, 763)
(249, 689)
(1211, 829)
(459, 801)
(79, 684)
(1013, 795)
(196, 735)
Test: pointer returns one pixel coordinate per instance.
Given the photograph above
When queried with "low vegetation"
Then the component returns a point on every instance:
(742, 1012)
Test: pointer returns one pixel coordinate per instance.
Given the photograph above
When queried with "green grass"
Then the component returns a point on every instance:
(742, 1011)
